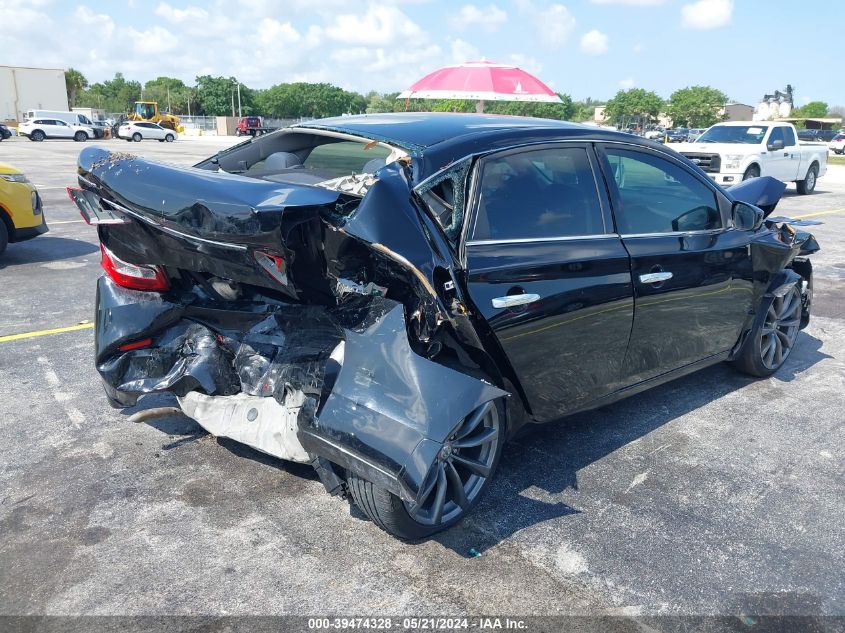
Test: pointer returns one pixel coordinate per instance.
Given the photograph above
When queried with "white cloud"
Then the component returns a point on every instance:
(154, 41)
(490, 18)
(555, 25)
(707, 14)
(377, 26)
(594, 43)
(464, 51)
(638, 48)
(627, 84)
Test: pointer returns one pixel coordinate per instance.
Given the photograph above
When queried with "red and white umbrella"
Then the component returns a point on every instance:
(482, 81)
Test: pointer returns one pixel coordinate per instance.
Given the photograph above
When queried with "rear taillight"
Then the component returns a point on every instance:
(128, 347)
(133, 276)
(273, 265)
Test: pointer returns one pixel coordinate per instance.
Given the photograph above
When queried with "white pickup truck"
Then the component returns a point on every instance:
(739, 150)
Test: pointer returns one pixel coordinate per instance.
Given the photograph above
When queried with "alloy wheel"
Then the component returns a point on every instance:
(462, 467)
(780, 329)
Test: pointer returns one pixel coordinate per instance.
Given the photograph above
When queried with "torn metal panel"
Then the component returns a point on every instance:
(261, 423)
(207, 222)
(390, 408)
(764, 192)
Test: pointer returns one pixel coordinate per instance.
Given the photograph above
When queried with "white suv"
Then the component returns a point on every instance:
(139, 130)
(837, 144)
(40, 129)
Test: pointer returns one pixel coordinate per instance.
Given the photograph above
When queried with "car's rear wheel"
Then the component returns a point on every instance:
(37, 135)
(773, 336)
(136, 137)
(169, 138)
(4, 237)
(808, 185)
(454, 484)
(80, 137)
(752, 172)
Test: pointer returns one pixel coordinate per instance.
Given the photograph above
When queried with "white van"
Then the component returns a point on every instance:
(71, 118)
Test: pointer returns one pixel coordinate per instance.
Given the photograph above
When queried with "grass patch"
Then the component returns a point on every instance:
(836, 160)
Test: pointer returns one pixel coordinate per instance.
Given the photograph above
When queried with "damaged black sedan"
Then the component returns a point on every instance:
(390, 297)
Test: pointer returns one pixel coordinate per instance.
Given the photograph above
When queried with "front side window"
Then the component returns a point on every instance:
(788, 136)
(777, 135)
(658, 196)
(545, 193)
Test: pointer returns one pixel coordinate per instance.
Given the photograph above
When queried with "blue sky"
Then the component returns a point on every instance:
(587, 48)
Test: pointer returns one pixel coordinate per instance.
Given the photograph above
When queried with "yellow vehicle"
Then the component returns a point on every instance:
(148, 111)
(21, 216)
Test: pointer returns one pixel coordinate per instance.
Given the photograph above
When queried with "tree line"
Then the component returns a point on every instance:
(694, 106)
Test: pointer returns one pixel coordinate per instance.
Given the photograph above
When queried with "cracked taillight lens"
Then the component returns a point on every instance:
(133, 276)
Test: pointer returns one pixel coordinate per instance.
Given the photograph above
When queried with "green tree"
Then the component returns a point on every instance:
(113, 95)
(310, 100)
(215, 96)
(75, 83)
(585, 110)
(170, 93)
(812, 110)
(633, 106)
(696, 106)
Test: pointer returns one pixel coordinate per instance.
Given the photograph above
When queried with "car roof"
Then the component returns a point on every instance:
(440, 138)
(424, 129)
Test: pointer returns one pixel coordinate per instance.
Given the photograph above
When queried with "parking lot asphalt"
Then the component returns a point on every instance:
(714, 494)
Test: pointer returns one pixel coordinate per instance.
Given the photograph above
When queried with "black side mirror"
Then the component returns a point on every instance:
(746, 216)
(775, 145)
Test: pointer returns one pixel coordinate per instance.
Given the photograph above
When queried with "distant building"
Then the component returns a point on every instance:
(738, 112)
(23, 89)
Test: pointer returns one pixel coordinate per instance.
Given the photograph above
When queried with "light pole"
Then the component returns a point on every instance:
(240, 114)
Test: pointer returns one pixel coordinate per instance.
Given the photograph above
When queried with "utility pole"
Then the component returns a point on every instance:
(233, 103)
(239, 100)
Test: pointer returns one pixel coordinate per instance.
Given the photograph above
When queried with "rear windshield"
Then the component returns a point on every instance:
(747, 134)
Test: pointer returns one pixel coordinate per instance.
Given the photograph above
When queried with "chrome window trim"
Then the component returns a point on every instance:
(531, 240)
(675, 233)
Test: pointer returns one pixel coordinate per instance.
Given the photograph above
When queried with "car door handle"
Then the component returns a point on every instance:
(511, 301)
(655, 278)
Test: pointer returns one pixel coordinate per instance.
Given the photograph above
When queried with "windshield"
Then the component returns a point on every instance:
(747, 134)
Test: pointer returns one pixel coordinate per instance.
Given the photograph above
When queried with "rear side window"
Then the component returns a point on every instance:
(659, 196)
(545, 193)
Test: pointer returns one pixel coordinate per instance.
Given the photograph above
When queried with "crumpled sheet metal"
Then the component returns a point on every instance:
(261, 423)
(391, 407)
(764, 192)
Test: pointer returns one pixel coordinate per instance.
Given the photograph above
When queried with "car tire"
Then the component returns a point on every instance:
(37, 136)
(137, 137)
(773, 335)
(753, 171)
(808, 185)
(80, 137)
(169, 138)
(4, 236)
(486, 425)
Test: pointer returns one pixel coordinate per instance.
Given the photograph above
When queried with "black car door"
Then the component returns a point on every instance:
(691, 270)
(549, 274)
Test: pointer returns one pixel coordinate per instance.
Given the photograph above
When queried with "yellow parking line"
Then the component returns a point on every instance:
(57, 330)
(812, 215)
